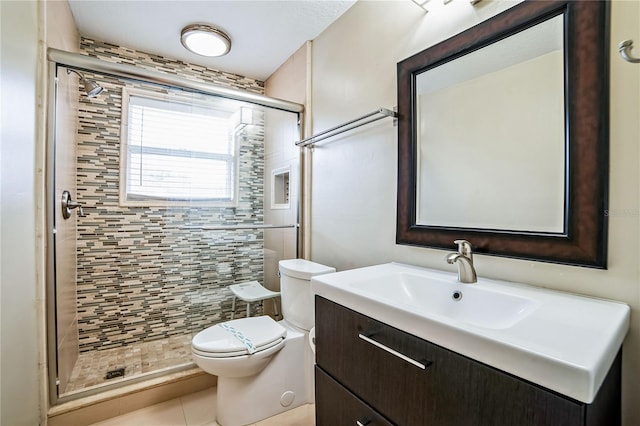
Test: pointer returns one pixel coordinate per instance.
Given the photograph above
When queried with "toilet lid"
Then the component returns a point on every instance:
(303, 269)
(239, 337)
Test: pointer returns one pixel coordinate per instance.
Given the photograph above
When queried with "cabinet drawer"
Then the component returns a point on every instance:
(386, 371)
(346, 409)
(395, 385)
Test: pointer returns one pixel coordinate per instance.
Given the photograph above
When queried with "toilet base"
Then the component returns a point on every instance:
(286, 383)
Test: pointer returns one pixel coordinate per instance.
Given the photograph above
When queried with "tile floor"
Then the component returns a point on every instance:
(137, 359)
(198, 409)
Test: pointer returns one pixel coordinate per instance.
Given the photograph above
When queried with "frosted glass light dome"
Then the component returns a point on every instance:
(205, 40)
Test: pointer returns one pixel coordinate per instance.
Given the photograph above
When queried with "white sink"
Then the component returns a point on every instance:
(441, 297)
(561, 341)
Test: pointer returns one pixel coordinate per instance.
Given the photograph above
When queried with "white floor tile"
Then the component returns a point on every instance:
(199, 407)
(165, 414)
(300, 416)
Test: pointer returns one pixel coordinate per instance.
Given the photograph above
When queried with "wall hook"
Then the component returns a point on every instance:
(625, 50)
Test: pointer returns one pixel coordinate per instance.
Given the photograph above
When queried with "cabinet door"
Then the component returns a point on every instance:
(451, 390)
(468, 393)
(344, 407)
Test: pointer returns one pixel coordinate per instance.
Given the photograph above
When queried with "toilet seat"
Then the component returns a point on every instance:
(218, 342)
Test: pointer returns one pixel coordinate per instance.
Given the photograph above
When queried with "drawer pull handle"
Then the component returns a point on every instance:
(393, 352)
(363, 422)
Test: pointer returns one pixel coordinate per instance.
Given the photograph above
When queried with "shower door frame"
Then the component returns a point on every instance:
(58, 58)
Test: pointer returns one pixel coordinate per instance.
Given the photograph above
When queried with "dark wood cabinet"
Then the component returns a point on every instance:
(344, 408)
(405, 380)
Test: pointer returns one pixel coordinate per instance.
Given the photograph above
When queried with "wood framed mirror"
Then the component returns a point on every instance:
(503, 136)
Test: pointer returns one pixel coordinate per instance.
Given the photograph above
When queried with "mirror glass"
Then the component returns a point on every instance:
(491, 136)
(503, 136)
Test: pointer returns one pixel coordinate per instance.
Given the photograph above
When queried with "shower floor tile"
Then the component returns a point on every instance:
(138, 358)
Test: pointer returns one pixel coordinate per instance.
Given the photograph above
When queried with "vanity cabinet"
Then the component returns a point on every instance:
(374, 374)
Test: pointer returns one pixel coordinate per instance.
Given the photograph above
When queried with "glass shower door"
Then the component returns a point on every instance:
(139, 273)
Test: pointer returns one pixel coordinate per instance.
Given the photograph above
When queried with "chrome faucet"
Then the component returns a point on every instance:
(464, 259)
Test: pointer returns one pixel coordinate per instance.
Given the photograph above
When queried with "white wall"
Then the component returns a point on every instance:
(291, 81)
(21, 367)
(287, 82)
(354, 176)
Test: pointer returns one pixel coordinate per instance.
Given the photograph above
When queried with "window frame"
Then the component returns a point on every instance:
(126, 200)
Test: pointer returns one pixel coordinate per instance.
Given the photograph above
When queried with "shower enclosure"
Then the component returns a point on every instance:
(163, 192)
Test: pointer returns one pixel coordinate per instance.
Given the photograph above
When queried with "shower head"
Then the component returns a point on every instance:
(92, 88)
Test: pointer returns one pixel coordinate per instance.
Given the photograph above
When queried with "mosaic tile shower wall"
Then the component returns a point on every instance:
(143, 272)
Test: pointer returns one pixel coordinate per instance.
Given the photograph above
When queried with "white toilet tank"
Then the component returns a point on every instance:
(295, 290)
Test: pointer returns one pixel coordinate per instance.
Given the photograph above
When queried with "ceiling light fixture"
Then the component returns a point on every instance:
(422, 3)
(205, 40)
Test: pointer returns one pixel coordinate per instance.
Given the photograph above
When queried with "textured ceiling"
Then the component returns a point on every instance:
(263, 33)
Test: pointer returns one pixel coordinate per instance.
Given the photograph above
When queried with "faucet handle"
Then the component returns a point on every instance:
(464, 248)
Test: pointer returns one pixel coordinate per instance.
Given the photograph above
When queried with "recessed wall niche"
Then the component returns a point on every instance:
(280, 188)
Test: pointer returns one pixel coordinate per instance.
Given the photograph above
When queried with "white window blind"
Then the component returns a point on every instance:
(176, 151)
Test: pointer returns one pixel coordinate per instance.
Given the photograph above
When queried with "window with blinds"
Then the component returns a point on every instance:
(176, 152)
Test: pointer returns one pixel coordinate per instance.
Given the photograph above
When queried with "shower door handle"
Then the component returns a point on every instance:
(68, 204)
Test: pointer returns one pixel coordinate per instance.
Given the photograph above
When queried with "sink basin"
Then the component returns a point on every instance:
(563, 342)
(442, 297)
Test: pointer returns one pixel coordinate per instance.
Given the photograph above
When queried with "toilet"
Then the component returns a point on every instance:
(264, 367)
